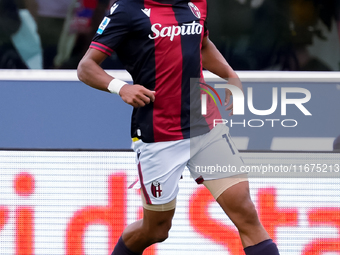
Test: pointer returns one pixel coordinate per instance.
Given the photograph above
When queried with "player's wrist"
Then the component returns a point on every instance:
(115, 86)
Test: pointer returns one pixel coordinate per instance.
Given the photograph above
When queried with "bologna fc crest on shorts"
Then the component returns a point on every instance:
(195, 10)
(156, 189)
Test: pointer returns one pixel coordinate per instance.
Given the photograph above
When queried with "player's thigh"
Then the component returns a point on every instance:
(214, 156)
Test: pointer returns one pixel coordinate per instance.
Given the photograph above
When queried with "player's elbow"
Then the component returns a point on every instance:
(81, 70)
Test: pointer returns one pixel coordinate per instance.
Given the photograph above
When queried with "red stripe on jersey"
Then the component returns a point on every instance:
(101, 47)
(167, 105)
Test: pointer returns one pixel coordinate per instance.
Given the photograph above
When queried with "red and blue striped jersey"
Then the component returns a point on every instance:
(159, 43)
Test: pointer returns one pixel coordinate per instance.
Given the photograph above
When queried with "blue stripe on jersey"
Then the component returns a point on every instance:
(191, 119)
(141, 67)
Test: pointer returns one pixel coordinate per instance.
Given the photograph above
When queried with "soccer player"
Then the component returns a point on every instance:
(164, 44)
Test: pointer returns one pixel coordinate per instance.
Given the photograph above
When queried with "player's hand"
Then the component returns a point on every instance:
(227, 101)
(136, 95)
(236, 82)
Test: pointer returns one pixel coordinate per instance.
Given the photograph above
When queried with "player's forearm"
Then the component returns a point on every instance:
(214, 62)
(93, 75)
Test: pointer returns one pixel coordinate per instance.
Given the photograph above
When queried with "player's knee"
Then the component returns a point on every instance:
(246, 216)
(161, 237)
(162, 233)
(157, 224)
(251, 214)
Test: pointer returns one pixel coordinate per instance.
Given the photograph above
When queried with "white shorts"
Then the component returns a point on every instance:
(208, 157)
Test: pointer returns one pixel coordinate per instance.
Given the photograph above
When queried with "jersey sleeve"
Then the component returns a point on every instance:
(112, 30)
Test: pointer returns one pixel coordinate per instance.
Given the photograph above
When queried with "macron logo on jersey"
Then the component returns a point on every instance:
(147, 12)
(113, 8)
(172, 31)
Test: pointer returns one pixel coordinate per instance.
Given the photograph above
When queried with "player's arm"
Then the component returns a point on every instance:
(90, 72)
(214, 62)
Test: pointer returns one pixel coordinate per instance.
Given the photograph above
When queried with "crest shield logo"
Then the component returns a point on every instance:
(156, 189)
(194, 9)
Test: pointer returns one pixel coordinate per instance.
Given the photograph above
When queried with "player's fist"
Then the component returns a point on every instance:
(136, 95)
(228, 94)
